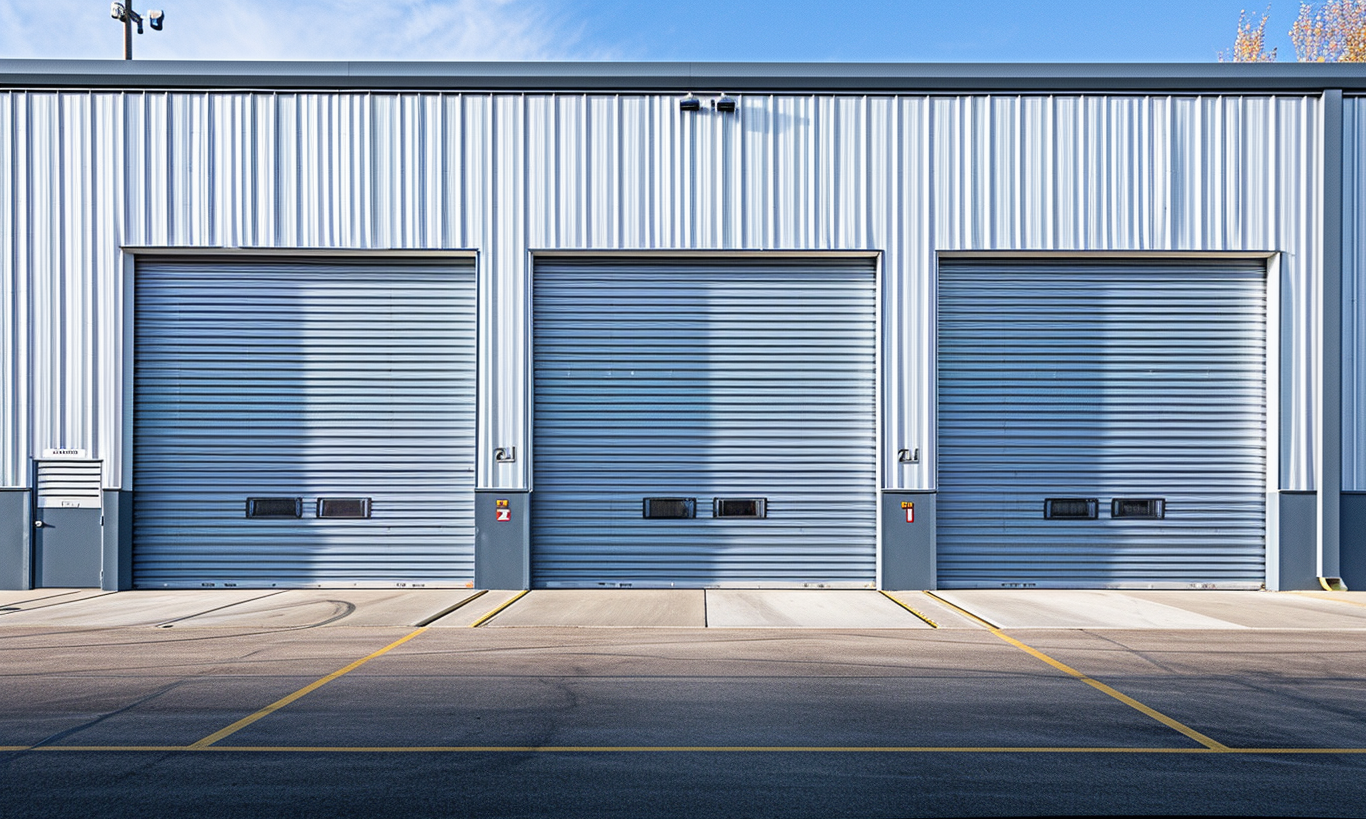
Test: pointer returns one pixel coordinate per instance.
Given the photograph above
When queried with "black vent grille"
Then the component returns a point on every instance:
(1071, 508)
(739, 508)
(1139, 508)
(669, 508)
(275, 507)
(343, 507)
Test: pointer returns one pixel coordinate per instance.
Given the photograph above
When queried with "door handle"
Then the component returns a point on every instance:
(38, 524)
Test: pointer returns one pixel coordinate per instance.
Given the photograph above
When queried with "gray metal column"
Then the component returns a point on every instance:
(15, 539)
(502, 539)
(908, 536)
(1352, 563)
(1330, 343)
(117, 572)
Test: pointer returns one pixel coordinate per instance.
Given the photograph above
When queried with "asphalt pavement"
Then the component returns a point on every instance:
(464, 703)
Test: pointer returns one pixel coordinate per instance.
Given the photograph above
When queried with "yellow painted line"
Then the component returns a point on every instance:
(313, 686)
(1208, 742)
(1295, 751)
(1329, 596)
(634, 749)
(487, 617)
(1212, 744)
(114, 748)
(964, 611)
(15, 747)
(707, 749)
(931, 623)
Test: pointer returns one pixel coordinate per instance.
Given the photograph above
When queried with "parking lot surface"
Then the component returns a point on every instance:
(464, 703)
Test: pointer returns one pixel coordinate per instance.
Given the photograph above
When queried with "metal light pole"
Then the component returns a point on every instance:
(123, 12)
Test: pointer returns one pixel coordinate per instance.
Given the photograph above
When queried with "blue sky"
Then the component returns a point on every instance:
(856, 30)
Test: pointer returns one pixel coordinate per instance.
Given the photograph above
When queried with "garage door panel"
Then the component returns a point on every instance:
(697, 380)
(265, 378)
(1104, 380)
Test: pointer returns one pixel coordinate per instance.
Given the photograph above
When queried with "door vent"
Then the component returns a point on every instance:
(1071, 508)
(739, 508)
(69, 483)
(275, 507)
(343, 507)
(1139, 508)
(670, 508)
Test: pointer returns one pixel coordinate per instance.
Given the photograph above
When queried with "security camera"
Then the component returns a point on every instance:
(156, 19)
(116, 11)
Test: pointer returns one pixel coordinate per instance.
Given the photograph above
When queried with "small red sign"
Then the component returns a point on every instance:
(503, 515)
(910, 513)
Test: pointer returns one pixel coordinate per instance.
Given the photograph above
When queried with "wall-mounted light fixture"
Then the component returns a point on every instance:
(690, 103)
(123, 12)
(726, 102)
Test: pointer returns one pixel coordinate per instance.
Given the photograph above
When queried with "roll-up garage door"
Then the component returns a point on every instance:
(303, 423)
(737, 397)
(1102, 424)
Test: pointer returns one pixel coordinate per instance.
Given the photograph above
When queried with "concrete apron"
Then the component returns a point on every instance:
(685, 608)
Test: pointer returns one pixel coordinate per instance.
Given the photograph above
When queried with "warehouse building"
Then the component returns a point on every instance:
(557, 325)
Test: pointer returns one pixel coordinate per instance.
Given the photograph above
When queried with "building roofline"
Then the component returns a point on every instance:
(681, 77)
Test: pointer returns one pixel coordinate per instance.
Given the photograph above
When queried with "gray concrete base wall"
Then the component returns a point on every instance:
(1352, 557)
(1299, 540)
(116, 572)
(16, 527)
(908, 560)
(502, 550)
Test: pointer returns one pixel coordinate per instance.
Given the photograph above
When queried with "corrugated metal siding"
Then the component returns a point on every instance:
(705, 380)
(273, 378)
(1354, 296)
(1073, 380)
(505, 173)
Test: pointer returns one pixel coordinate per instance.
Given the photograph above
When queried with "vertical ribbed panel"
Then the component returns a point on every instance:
(705, 380)
(1354, 296)
(1073, 380)
(506, 173)
(286, 379)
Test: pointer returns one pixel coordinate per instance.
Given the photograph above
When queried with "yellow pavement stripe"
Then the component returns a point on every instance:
(710, 749)
(487, 617)
(748, 749)
(1212, 744)
(931, 623)
(963, 611)
(114, 748)
(282, 702)
(15, 747)
(1336, 598)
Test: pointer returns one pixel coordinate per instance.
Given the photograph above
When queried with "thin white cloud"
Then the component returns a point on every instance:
(301, 30)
